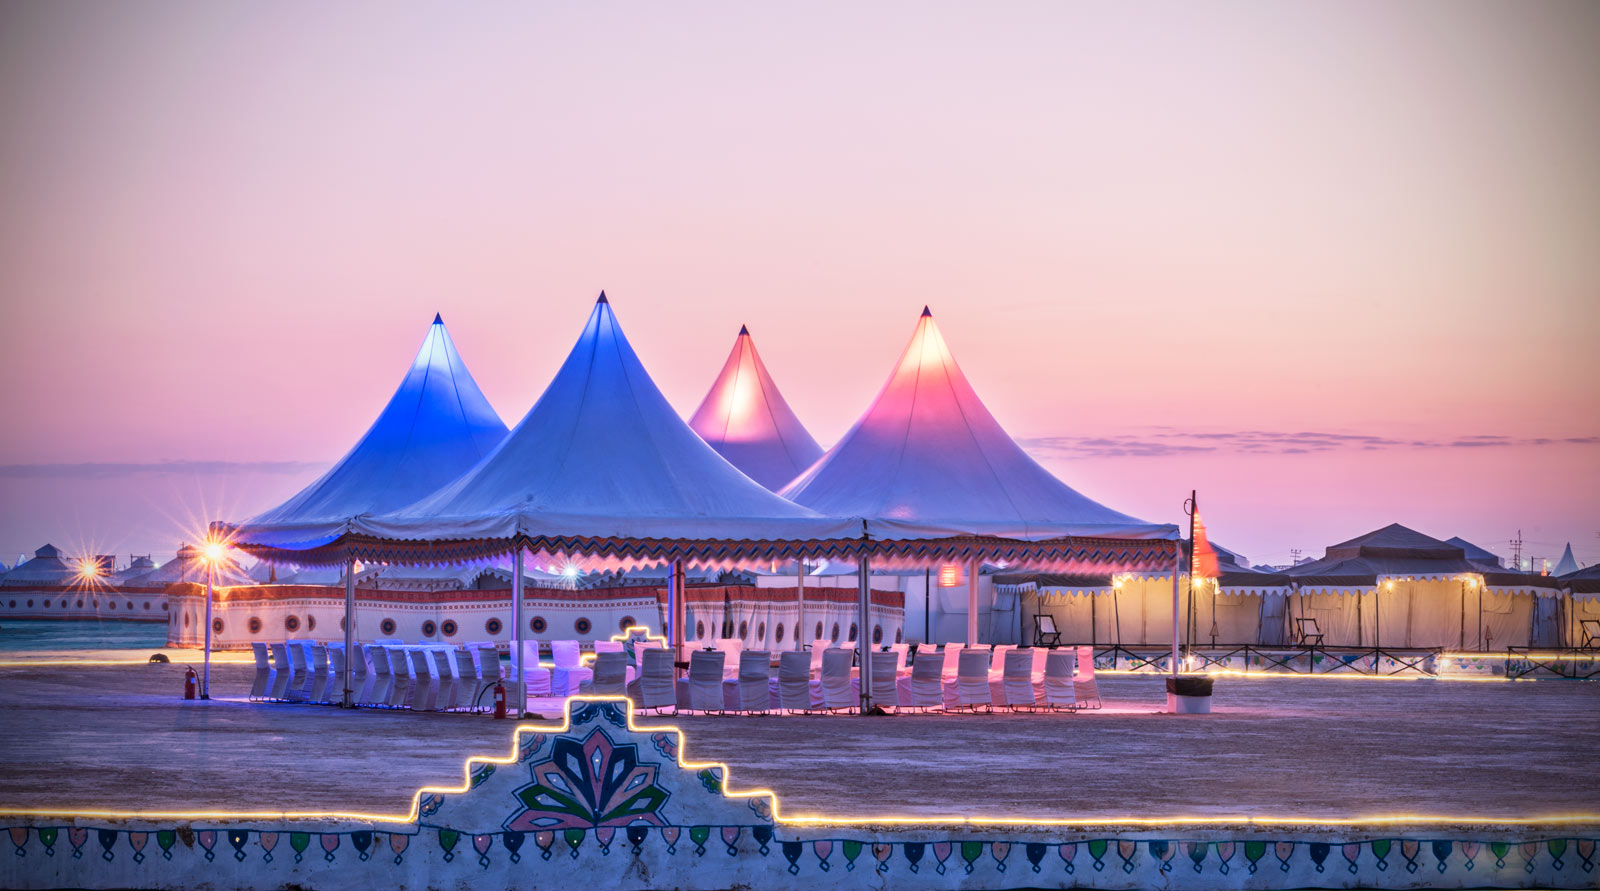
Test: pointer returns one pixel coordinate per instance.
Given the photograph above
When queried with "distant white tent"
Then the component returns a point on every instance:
(46, 568)
(927, 458)
(746, 419)
(437, 425)
(1568, 563)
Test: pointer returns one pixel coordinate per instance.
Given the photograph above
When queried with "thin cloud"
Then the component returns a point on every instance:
(106, 470)
(1165, 441)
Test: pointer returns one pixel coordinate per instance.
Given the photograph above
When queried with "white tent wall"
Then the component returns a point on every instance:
(1578, 608)
(1547, 618)
(1275, 620)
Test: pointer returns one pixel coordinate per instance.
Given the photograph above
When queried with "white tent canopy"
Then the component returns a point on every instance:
(1568, 563)
(602, 455)
(436, 426)
(928, 459)
(747, 420)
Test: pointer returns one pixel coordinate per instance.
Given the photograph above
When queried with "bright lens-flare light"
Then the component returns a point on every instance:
(89, 569)
(213, 552)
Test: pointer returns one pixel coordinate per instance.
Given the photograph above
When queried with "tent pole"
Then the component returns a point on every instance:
(521, 680)
(349, 624)
(864, 634)
(927, 598)
(205, 681)
(799, 642)
(972, 602)
(1177, 566)
(680, 610)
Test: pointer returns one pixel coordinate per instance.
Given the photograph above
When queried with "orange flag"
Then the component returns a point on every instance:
(1203, 563)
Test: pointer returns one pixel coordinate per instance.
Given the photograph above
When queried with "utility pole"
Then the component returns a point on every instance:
(1294, 556)
(1516, 551)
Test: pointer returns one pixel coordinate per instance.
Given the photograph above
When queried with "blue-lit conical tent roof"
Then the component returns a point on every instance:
(603, 457)
(1568, 563)
(436, 426)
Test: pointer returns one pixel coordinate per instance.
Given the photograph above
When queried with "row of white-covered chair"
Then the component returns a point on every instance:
(424, 677)
(952, 679)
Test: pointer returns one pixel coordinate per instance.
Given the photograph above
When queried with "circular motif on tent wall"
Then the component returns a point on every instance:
(449, 627)
(538, 624)
(626, 623)
(146, 605)
(387, 626)
(699, 630)
(835, 632)
(581, 625)
(897, 636)
(429, 628)
(13, 604)
(80, 606)
(727, 628)
(47, 604)
(877, 634)
(93, 603)
(744, 629)
(292, 623)
(164, 607)
(185, 616)
(216, 626)
(852, 631)
(818, 635)
(492, 626)
(311, 622)
(341, 623)
(30, 604)
(761, 631)
(779, 632)
(130, 604)
(110, 604)
(254, 624)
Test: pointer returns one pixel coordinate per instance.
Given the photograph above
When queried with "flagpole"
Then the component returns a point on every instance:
(1193, 507)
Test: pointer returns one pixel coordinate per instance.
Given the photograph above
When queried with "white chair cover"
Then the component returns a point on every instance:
(425, 687)
(263, 679)
(540, 680)
(1058, 668)
(657, 683)
(380, 683)
(567, 678)
(610, 675)
(755, 681)
(1084, 688)
(400, 667)
(318, 663)
(299, 671)
(469, 682)
(1018, 677)
(926, 684)
(972, 678)
(794, 681)
(885, 674)
(444, 664)
(705, 681)
(817, 649)
(836, 691)
(335, 689)
(731, 647)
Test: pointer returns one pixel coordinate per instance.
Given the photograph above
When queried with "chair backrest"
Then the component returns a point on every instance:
(421, 665)
(732, 647)
(1308, 626)
(997, 656)
(530, 655)
(319, 658)
(794, 680)
(566, 653)
(336, 661)
(380, 660)
(755, 680)
(885, 676)
(1590, 627)
(489, 663)
(466, 666)
(260, 650)
(952, 660)
(657, 681)
(1046, 623)
(608, 646)
(705, 680)
(973, 664)
(611, 673)
(1058, 668)
(1085, 664)
(817, 649)
(443, 663)
(1019, 665)
(297, 656)
(836, 664)
(927, 680)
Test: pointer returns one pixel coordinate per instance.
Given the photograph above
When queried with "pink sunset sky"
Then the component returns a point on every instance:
(1335, 265)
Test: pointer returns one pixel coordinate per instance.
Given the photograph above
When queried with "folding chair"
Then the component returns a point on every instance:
(732, 647)
(1590, 629)
(755, 681)
(540, 680)
(263, 679)
(282, 673)
(705, 681)
(972, 679)
(334, 689)
(794, 681)
(1307, 631)
(1045, 633)
(610, 674)
(1084, 688)
(359, 674)
(469, 680)
(1058, 689)
(1018, 680)
(835, 681)
(658, 680)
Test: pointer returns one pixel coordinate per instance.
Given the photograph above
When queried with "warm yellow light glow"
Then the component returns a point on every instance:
(414, 810)
(89, 569)
(1389, 584)
(642, 631)
(213, 552)
(949, 575)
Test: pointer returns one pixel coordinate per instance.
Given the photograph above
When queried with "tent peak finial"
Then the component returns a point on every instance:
(927, 313)
(602, 298)
(438, 319)
(744, 331)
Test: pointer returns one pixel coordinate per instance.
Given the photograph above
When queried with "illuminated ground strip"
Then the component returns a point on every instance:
(412, 814)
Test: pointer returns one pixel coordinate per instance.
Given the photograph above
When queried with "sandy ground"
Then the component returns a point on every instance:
(119, 736)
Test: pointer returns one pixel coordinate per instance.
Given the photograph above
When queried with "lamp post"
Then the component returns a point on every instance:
(212, 553)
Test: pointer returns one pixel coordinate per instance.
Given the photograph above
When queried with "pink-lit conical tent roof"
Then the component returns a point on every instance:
(747, 420)
(927, 458)
(436, 426)
(603, 456)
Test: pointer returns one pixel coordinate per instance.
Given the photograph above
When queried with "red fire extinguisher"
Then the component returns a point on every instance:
(499, 700)
(191, 684)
